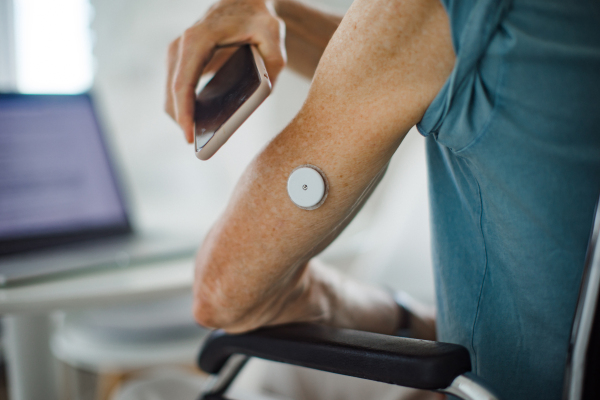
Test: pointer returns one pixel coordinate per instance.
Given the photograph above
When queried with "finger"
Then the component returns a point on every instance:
(270, 42)
(172, 57)
(195, 50)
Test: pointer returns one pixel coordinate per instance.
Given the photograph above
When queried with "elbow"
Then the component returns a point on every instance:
(216, 316)
(221, 310)
(205, 315)
(215, 303)
(223, 298)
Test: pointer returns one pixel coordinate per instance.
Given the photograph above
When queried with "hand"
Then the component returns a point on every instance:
(226, 23)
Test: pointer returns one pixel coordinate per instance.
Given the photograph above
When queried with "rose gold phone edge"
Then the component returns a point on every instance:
(240, 115)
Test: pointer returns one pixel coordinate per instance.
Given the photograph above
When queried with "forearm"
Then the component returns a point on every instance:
(352, 304)
(347, 303)
(308, 31)
(323, 295)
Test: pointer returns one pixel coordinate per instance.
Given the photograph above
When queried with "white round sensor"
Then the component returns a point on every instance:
(307, 187)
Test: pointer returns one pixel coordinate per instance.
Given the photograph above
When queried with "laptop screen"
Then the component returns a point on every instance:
(56, 180)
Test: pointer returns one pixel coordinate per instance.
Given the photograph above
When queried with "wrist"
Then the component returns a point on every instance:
(416, 320)
(405, 316)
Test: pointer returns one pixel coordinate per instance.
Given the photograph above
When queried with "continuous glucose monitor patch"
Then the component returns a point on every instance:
(307, 187)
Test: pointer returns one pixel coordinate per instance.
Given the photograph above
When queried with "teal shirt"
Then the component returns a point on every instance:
(513, 145)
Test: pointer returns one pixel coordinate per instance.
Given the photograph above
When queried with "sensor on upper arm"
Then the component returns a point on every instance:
(307, 187)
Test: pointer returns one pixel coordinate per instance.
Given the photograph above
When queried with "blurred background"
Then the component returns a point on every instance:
(116, 49)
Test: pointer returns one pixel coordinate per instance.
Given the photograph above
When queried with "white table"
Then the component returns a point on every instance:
(27, 309)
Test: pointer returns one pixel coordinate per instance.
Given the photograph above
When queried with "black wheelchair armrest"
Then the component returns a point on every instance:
(406, 362)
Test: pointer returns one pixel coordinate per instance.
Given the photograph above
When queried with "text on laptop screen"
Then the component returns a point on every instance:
(55, 176)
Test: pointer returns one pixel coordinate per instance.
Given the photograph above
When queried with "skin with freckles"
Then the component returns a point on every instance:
(380, 70)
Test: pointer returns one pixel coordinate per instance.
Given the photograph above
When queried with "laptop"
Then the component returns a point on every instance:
(61, 206)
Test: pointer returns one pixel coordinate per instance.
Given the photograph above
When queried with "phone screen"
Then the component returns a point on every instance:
(229, 88)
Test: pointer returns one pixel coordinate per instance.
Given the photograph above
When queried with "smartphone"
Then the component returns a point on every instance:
(228, 99)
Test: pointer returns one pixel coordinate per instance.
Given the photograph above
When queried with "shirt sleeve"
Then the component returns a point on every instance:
(466, 101)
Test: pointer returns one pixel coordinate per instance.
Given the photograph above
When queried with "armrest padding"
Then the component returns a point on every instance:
(407, 362)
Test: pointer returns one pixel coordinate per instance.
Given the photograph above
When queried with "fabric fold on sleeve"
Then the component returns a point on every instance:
(464, 102)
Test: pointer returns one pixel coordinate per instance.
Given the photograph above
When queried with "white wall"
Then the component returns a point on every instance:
(388, 242)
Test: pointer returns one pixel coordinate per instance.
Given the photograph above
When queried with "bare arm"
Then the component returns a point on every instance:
(380, 71)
